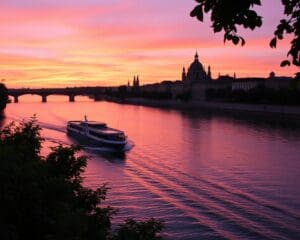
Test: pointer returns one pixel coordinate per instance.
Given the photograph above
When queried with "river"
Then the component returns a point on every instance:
(208, 176)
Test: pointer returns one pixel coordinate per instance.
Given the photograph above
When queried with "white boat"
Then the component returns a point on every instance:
(97, 134)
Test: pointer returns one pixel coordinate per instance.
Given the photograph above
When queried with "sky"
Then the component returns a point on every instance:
(55, 43)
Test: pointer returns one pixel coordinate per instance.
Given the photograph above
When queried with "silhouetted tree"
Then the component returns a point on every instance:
(44, 198)
(122, 92)
(3, 96)
(145, 230)
(226, 15)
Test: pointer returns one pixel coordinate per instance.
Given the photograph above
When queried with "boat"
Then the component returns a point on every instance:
(97, 134)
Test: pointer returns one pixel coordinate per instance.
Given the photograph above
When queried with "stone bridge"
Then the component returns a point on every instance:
(94, 92)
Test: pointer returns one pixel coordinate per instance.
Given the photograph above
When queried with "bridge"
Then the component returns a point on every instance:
(94, 92)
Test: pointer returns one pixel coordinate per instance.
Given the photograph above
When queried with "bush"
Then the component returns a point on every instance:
(43, 197)
(3, 96)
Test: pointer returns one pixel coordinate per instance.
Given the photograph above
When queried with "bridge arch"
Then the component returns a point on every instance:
(58, 98)
(27, 97)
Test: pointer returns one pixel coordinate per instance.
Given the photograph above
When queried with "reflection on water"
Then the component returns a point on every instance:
(208, 176)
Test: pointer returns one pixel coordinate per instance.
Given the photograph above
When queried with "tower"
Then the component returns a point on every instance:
(196, 56)
(209, 72)
(137, 81)
(183, 76)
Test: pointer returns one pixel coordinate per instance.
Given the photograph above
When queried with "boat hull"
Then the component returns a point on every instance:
(84, 139)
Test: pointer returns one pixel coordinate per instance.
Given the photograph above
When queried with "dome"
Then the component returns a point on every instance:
(196, 71)
(196, 66)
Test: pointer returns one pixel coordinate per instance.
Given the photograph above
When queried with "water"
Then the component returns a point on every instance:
(208, 177)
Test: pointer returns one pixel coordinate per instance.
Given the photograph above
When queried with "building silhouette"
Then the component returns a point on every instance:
(196, 72)
(136, 82)
(195, 82)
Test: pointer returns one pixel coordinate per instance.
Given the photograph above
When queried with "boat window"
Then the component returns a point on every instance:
(116, 137)
(76, 127)
(97, 125)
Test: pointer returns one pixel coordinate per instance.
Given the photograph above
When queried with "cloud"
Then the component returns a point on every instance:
(83, 42)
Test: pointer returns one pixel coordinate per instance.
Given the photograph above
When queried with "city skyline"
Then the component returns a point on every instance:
(88, 43)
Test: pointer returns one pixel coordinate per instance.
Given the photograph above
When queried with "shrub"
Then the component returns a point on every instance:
(44, 198)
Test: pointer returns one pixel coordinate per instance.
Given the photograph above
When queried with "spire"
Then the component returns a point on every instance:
(209, 72)
(234, 76)
(196, 55)
(183, 76)
(137, 81)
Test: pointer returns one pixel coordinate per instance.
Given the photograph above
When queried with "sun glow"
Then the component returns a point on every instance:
(80, 43)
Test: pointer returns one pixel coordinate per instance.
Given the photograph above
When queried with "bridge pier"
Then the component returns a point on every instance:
(97, 97)
(44, 98)
(16, 99)
(71, 98)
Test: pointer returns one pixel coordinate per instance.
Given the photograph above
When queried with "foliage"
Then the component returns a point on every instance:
(136, 92)
(132, 230)
(44, 198)
(3, 96)
(227, 15)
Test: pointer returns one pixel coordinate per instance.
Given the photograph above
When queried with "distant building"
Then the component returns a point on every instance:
(247, 83)
(278, 82)
(196, 81)
(196, 73)
(136, 81)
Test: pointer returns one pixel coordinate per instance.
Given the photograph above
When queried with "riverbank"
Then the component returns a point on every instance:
(286, 112)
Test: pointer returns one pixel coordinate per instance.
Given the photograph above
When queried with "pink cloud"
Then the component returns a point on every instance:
(93, 42)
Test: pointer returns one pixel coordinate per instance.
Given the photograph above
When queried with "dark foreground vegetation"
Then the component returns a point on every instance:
(44, 198)
(3, 97)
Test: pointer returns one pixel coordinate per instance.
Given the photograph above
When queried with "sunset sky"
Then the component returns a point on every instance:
(51, 43)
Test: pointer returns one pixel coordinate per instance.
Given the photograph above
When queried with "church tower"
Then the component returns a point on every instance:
(183, 76)
(209, 72)
(137, 81)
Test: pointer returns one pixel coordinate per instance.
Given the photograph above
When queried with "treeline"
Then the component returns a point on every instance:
(257, 95)
(3, 97)
(123, 92)
(44, 198)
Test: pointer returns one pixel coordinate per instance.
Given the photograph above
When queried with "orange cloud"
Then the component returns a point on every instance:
(88, 43)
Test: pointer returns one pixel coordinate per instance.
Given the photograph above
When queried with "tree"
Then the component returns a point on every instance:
(44, 198)
(3, 96)
(226, 15)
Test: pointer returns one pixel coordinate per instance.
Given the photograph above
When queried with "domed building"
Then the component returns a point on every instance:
(196, 73)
